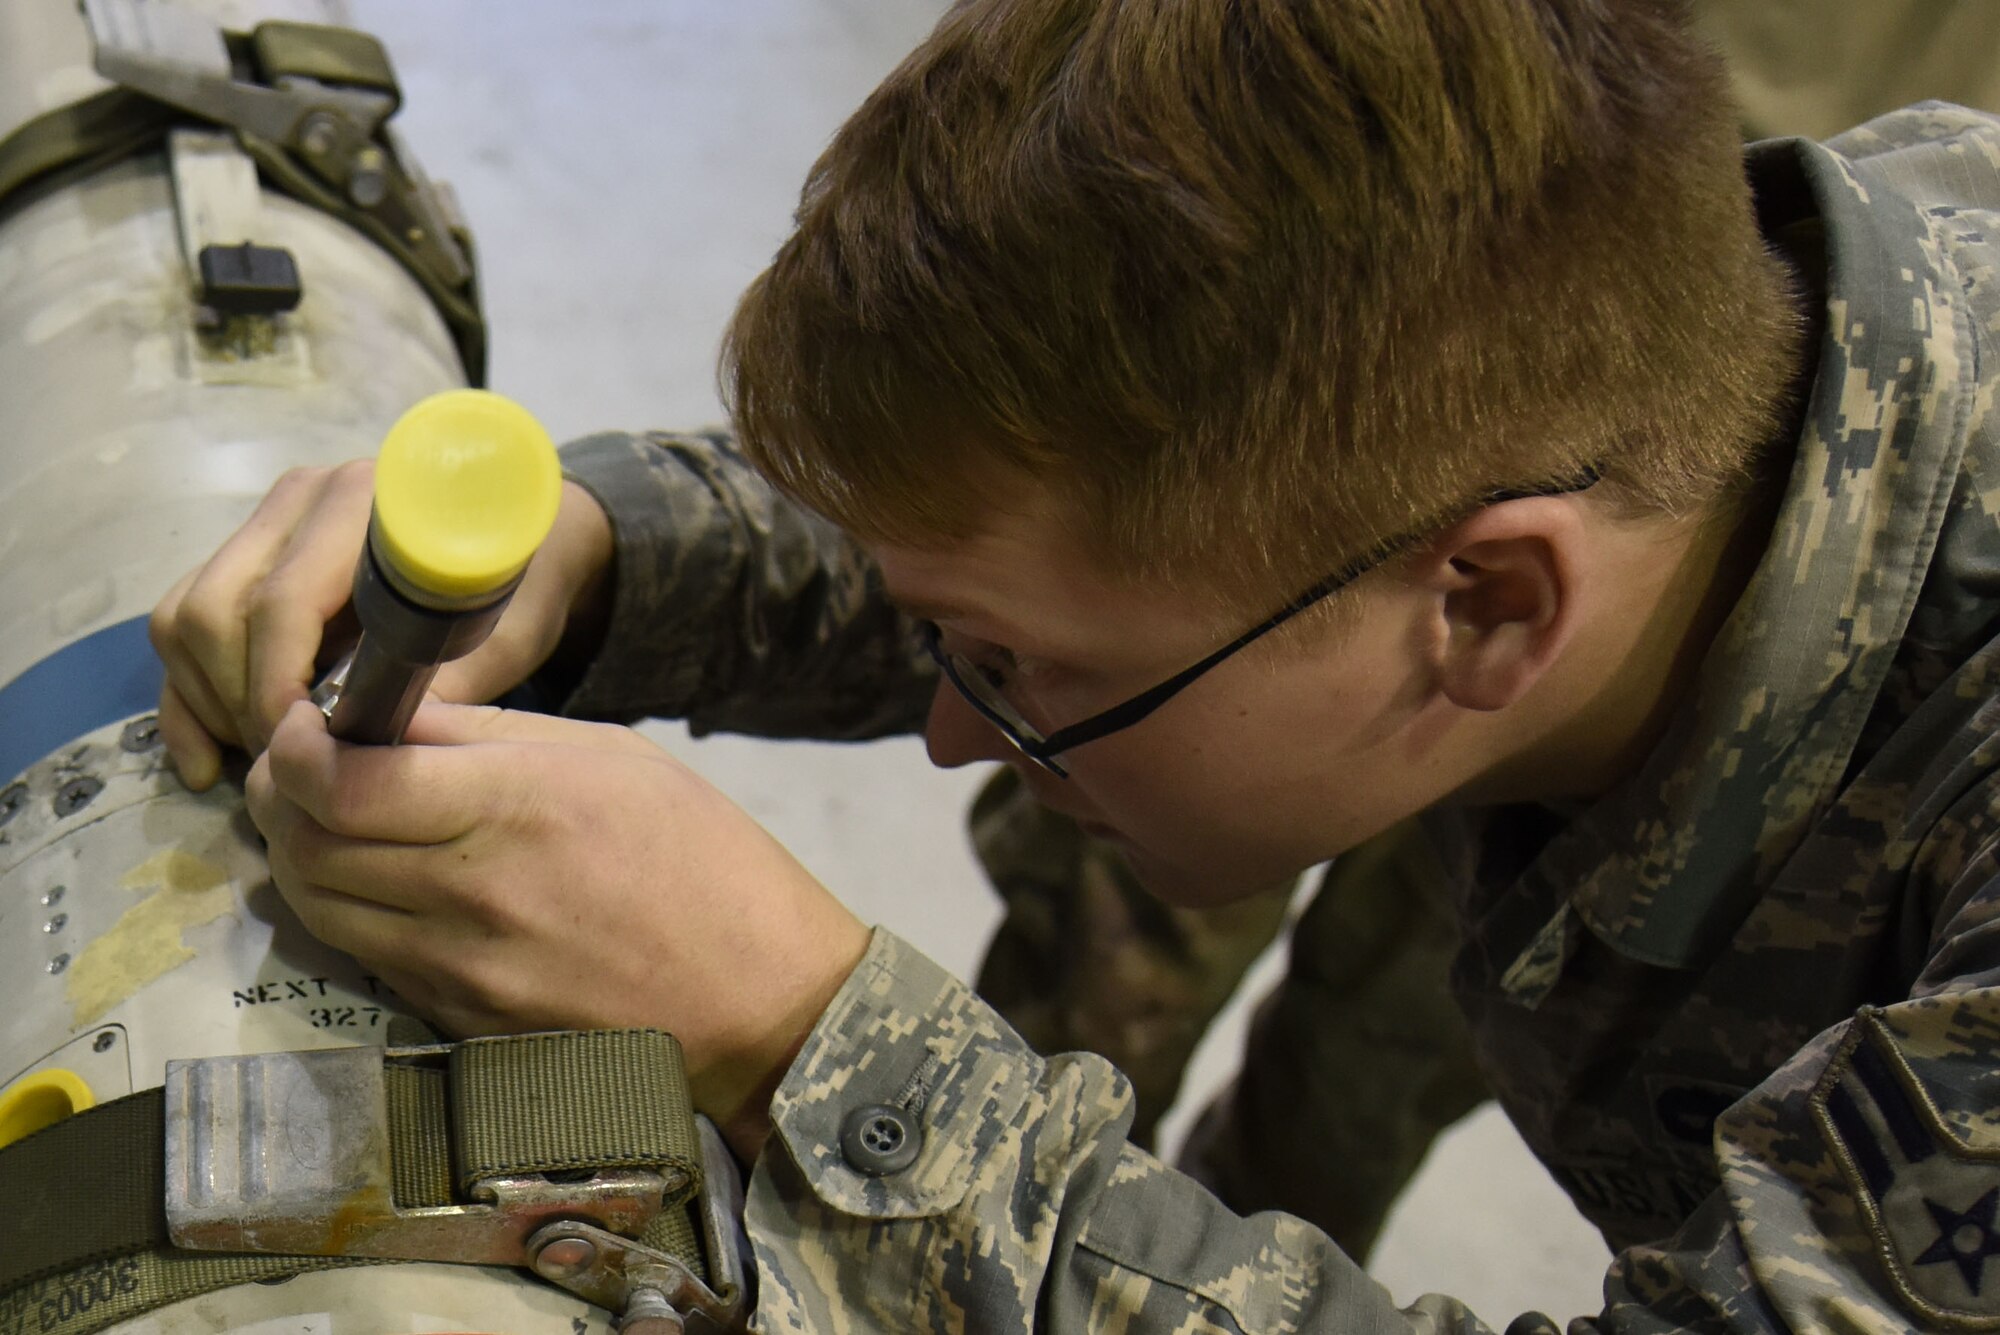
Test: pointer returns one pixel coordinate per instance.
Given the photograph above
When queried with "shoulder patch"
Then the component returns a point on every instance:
(1930, 1199)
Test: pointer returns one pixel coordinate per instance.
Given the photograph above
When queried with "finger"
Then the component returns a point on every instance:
(208, 618)
(566, 570)
(184, 673)
(439, 723)
(523, 640)
(367, 929)
(307, 857)
(198, 698)
(391, 794)
(195, 755)
(306, 587)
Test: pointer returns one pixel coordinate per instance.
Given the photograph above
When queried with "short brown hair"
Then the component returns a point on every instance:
(1263, 283)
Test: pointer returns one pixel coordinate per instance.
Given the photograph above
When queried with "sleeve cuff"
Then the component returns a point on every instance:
(902, 1034)
(620, 474)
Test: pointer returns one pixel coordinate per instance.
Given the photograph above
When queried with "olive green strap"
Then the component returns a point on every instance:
(83, 1230)
(112, 1158)
(118, 123)
(83, 1226)
(101, 128)
(329, 55)
(514, 1107)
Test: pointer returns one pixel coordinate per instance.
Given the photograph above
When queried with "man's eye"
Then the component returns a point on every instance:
(996, 667)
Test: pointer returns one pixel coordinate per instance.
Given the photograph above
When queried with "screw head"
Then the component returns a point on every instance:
(565, 1258)
(368, 183)
(319, 134)
(141, 734)
(77, 794)
(105, 1041)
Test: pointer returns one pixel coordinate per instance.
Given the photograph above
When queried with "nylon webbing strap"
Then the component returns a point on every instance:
(105, 126)
(514, 1107)
(112, 1156)
(329, 55)
(83, 1228)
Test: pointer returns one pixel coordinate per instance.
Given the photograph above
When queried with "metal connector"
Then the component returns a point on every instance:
(290, 1152)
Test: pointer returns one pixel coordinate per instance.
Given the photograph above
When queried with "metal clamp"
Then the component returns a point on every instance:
(290, 1152)
(654, 1293)
(180, 56)
(624, 1276)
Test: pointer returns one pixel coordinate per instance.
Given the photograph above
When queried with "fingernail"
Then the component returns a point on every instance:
(198, 773)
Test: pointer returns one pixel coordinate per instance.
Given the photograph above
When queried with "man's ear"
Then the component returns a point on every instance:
(1504, 586)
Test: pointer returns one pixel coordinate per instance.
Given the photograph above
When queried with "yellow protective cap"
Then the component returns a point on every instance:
(38, 1101)
(466, 488)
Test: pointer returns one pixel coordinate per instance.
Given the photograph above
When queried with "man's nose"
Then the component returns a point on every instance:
(957, 734)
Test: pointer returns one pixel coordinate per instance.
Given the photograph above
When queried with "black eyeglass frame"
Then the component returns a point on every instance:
(1044, 750)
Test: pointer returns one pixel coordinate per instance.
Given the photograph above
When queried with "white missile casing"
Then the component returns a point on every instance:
(138, 924)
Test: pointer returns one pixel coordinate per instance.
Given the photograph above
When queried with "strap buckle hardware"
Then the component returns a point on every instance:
(290, 1152)
(337, 128)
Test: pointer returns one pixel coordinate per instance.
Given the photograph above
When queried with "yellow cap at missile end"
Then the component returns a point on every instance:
(466, 488)
(37, 1101)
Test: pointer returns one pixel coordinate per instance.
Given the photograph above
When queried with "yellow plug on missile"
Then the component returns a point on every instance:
(467, 485)
(37, 1101)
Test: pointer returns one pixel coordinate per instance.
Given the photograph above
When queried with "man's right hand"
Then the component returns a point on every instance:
(243, 634)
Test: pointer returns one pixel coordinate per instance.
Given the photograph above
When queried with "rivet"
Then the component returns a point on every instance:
(58, 964)
(320, 134)
(54, 896)
(56, 924)
(565, 1258)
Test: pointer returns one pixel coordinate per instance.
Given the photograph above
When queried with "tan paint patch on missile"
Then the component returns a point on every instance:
(146, 942)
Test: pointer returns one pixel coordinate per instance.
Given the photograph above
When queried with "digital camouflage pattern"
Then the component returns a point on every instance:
(1746, 1006)
(1353, 1064)
(734, 609)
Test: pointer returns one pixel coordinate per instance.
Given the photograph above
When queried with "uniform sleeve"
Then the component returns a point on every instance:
(734, 608)
(1861, 1181)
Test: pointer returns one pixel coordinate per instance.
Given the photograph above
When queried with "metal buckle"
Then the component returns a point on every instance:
(655, 1292)
(177, 55)
(290, 1152)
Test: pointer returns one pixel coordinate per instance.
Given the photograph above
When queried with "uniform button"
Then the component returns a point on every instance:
(879, 1140)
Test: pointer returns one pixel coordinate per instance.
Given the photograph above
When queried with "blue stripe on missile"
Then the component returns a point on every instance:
(99, 679)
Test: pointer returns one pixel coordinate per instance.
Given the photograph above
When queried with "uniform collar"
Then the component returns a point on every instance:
(1666, 867)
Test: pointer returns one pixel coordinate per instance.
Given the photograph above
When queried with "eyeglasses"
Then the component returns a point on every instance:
(983, 689)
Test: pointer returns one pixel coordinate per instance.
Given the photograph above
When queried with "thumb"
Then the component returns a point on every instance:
(528, 632)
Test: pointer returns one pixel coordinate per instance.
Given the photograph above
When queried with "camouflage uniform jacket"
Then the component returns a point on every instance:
(1746, 1006)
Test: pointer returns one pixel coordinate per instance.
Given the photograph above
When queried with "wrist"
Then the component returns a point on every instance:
(738, 1091)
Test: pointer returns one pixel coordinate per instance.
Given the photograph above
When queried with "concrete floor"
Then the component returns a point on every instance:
(628, 166)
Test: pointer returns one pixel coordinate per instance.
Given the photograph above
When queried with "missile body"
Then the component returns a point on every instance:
(175, 333)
